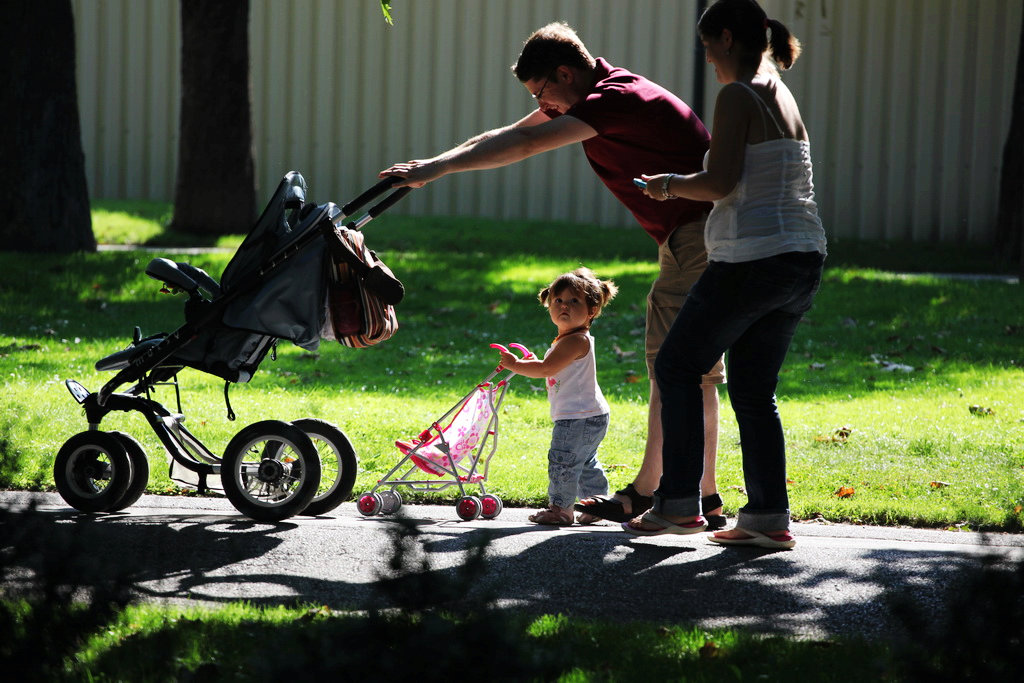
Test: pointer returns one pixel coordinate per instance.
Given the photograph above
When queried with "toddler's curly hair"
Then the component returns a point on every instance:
(596, 292)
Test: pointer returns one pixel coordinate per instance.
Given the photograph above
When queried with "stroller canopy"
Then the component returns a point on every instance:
(287, 300)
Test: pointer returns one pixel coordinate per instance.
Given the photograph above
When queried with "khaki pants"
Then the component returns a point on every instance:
(681, 260)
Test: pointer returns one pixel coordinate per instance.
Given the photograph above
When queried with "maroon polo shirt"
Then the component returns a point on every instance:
(641, 128)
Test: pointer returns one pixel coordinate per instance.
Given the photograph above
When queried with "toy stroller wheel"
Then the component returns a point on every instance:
(468, 508)
(338, 465)
(370, 504)
(92, 471)
(490, 506)
(270, 471)
(139, 466)
(392, 502)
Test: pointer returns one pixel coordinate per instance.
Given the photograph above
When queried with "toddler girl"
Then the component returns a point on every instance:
(578, 408)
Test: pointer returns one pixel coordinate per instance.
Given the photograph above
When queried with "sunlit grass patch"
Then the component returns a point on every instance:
(925, 372)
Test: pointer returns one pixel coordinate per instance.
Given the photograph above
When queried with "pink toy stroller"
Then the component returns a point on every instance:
(456, 450)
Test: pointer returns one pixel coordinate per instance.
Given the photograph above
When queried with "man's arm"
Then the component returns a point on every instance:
(531, 135)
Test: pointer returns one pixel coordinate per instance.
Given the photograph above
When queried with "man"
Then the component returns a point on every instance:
(628, 126)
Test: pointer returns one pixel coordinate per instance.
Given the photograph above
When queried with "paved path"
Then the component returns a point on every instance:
(836, 581)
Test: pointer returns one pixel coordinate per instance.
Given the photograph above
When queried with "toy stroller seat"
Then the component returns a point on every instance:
(438, 453)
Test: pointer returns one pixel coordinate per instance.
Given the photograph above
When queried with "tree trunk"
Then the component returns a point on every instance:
(43, 190)
(215, 191)
(1010, 219)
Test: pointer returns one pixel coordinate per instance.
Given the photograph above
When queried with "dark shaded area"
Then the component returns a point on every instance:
(1009, 237)
(53, 596)
(980, 637)
(215, 189)
(954, 618)
(42, 166)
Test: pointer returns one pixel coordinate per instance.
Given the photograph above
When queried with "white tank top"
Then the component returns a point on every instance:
(772, 209)
(574, 393)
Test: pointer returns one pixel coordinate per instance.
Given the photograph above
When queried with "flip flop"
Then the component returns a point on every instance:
(607, 507)
(666, 527)
(757, 539)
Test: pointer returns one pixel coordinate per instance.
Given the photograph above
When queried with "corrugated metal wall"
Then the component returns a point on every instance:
(907, 102)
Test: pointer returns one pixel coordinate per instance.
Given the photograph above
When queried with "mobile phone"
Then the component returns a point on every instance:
(642, 184)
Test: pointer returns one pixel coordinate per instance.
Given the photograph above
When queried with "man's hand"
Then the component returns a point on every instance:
(415, 173)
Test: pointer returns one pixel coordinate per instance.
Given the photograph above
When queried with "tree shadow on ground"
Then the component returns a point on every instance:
(428, 568)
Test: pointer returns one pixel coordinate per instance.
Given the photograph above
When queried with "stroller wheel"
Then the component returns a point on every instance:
(370, 504)
(270, 471)
(392, 502)
(468, 508)
(337, 465)
(92, 471)
(139, 466)
(490, 506)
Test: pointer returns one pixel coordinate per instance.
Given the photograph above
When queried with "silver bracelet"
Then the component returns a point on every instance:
(664, 186)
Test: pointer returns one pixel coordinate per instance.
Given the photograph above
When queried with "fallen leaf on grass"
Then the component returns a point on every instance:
(896, 367)
(889, 366)
(317, 613)
(709, 649)
(845, 492)
(632, 377)
(622, 354)
(1017, 508)
(840, 435)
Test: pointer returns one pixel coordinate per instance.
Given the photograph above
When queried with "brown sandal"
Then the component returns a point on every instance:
(612, 509)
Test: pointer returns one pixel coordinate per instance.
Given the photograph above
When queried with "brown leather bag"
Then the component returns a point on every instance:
(360, 293)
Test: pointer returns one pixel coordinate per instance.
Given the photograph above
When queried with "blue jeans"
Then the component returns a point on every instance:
(750, 310)
(573, 470)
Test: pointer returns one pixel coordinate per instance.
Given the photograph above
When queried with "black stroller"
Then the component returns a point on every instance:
(275, 287)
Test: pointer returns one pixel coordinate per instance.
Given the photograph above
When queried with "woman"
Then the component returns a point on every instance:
(766, 249)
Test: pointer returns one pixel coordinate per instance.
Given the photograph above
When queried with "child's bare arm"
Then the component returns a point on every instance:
(565, 352)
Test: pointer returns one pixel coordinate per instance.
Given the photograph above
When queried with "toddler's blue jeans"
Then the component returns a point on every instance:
(573, 469)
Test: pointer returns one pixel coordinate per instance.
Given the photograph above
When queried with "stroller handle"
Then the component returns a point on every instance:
(527, 354)
(369, 195)
(388, 202)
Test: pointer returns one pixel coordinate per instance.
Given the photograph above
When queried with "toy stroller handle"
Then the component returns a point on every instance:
(527, 354)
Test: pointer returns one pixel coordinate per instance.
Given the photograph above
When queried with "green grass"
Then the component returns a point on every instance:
(179, 641)
(941, 444)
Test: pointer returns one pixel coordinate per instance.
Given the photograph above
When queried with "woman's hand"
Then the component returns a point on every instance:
(657, 186)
